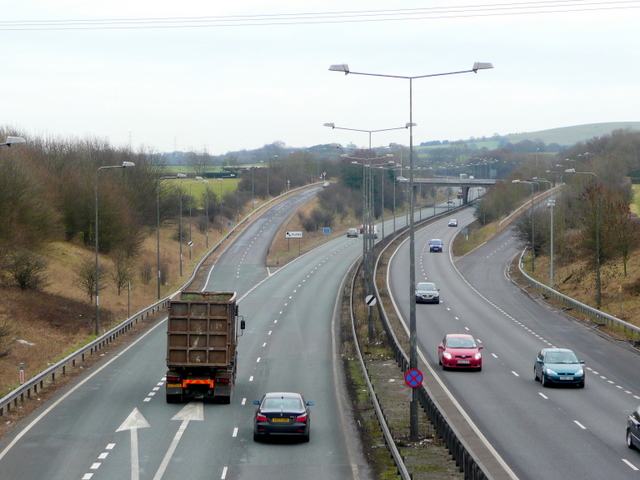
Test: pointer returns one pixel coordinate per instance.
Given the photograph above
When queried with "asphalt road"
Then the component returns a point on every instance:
(541, 433)
(115, 422)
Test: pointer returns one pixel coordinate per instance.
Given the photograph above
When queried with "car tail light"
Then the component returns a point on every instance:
(173, 378)
(222, 380)
(301, 418)
(261, 418)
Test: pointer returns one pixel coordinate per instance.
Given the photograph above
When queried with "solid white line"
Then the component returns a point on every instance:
(172, 449)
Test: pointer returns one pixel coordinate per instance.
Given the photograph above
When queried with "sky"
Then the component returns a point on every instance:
(207, 75)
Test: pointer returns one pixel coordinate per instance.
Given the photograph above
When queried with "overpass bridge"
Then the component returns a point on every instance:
(464, 184)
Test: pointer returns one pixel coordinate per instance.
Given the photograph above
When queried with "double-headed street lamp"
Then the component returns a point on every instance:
(413, 360)
(97, 279)
(167, 177)
(597, 198)
(406, 126)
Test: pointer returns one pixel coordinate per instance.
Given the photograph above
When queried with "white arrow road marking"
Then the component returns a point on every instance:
(134, 421)
(192, 411)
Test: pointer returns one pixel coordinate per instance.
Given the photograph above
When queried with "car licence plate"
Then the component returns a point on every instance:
(279, 420)
(463, 362)
(566, 378)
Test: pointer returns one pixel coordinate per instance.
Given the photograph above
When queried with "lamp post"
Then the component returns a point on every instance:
(413, 360)
(166, 177)
(206, 212)
(12, 141)
(597, 198)
(551, 204)
(180, 224)
(533, 236)
(97, 273)
(191, 205)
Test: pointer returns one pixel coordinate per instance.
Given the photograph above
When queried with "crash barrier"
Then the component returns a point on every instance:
(630, 331)
(31, 387)
(388, 438)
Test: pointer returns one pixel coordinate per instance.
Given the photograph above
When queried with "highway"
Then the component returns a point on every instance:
(115, 423)
(541, 433)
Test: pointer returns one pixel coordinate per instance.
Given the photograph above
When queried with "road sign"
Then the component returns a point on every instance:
(326, 230)
(413, 378)
(289, 234)
(370, 300)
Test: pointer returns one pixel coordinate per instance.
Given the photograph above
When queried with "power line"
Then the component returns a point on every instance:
(431, 13)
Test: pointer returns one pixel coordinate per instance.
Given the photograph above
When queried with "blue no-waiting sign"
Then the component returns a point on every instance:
(413, 378)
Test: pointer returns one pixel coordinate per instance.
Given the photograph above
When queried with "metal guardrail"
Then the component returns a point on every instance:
(631, 331)
(33, 385)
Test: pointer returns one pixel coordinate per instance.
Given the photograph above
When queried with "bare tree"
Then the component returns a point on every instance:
(122, 273)
(86, 277)
(27, 268)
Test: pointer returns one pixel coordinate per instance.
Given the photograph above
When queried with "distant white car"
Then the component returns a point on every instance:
(402, 179)
(453, 222)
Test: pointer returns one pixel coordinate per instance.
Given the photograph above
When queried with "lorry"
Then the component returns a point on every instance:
(202, 336)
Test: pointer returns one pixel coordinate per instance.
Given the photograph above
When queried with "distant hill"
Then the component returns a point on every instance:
(567, 136)
(563, 136)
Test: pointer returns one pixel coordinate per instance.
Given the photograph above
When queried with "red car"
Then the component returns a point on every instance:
(458, 350)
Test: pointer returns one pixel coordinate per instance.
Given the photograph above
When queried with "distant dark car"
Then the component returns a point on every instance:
(459, 350)
(633, 429)
(282, 413)
(558, 366)
(427, 292)
(435, 245)
(453, 222)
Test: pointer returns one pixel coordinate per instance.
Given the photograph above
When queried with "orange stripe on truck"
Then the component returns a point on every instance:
(197, 382)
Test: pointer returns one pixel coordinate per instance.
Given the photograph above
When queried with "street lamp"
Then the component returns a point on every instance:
(533, 244)
(551, 204)
(97, 282)
(333, 127)
(166, 177)
(597, 198)
(12, 141)
(206, 211)
(413, 360)
(180, 222)
(198, 178)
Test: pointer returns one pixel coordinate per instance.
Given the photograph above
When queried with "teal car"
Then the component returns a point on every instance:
(558, 366)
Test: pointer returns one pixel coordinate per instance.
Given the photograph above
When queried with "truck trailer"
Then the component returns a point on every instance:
(202, 335)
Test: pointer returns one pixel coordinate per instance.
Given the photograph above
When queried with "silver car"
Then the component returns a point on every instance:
(427, 292)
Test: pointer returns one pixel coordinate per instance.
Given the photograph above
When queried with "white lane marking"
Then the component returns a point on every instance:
(258, 360)
(251, 378)
(633, 467)
(244, 400)
(103, 455)
(543, 395)
(515, 373)
(224, 473)
(95, 466)
(580, 425)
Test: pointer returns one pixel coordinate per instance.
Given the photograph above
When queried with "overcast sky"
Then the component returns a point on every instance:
(224, 76)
